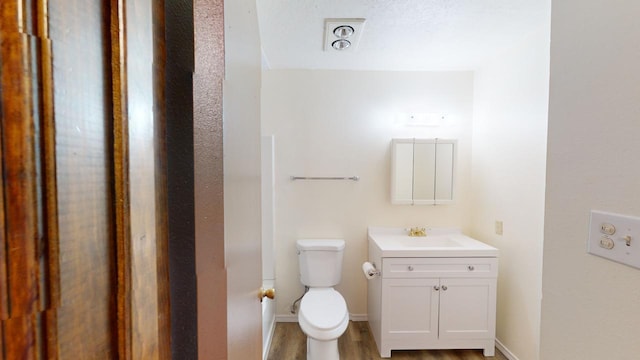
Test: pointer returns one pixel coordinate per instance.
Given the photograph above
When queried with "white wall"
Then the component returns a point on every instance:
(591, 306)
(508, 181)
(340, 123)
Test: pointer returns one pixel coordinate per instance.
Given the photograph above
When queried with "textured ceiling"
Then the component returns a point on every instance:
(402, 35)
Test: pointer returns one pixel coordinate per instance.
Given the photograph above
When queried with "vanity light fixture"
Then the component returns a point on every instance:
(342, 34)
(420, 119)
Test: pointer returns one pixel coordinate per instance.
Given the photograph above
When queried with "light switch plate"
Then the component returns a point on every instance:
(615, 237)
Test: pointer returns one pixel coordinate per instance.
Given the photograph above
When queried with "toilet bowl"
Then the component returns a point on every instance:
(323, 317)
(323, 314)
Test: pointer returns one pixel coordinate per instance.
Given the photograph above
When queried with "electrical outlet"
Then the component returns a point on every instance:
(498, 227)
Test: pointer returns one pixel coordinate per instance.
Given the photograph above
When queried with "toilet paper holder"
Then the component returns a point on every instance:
(370, 270)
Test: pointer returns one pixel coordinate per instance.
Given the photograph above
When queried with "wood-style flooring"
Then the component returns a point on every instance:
(290, 343)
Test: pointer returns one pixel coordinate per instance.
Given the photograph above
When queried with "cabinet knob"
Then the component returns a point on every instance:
(436, 287)
(471, 268)
(410, 268)
(444, 288)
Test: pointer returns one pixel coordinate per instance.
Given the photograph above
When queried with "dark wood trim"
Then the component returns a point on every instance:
(30, 258)
(121, 175)
(24, 257)
(48, 157)
(19, 168)
(2, 345)
(4, 279)
(162, 224)
(179, 33)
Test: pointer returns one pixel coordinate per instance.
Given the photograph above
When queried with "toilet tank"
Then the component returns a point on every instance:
(320, 261)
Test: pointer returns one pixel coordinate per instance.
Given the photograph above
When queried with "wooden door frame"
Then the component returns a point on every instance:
(29, 271)
(122, 185)
(29, 278)
(121, 175)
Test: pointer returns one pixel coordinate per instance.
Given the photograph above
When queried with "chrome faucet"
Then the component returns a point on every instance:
(417, 231)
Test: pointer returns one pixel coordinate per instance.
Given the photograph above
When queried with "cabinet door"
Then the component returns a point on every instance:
(444, 170)
(402, 171)
(410, 310)
(467, 308)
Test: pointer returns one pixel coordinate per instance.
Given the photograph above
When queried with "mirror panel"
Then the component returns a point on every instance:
(424, 171)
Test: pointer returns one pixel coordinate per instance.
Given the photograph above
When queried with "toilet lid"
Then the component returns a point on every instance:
(324, 309)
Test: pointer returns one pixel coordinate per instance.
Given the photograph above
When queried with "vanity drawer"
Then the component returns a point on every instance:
(440, 267)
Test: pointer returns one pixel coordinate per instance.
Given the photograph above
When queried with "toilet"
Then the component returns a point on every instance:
(323, 314)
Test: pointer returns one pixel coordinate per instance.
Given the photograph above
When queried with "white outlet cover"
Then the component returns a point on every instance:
(624, 226)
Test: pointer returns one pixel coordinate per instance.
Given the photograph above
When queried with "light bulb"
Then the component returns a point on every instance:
(343, 31)
(341, 44)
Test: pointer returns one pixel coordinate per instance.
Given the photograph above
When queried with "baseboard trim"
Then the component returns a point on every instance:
(287, 318)
(358, 317)
(294, 317)
(505, 351)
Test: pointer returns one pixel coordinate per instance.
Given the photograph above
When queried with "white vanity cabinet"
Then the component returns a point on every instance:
(433, 302)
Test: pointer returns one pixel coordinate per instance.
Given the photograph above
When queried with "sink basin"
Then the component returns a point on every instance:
(395, 242)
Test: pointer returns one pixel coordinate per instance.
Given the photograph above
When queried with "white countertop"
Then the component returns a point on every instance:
(439, 242)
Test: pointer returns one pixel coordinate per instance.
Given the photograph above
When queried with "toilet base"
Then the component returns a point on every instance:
(322, 350)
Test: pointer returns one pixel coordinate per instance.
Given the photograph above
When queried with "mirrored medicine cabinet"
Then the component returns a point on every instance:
(423, 171)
